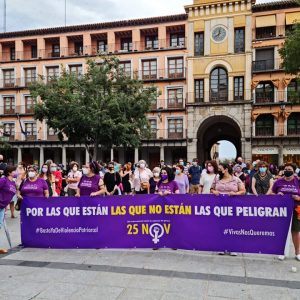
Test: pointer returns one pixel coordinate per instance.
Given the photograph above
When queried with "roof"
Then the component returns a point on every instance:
(275, 5)
(96, 26)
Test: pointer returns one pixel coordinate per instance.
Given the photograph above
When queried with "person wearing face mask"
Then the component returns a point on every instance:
(7, 191)
(262, 181)
(239, 173)
(90, 183)
(195, 174)
(33, 186)
(167, 184)
(73, 179)
(182, 180)
(208, 178)
(126, 174)
(141, 178)
(289, 185)
(56, 178)
(46, 175)
(155, 180)
(112, 180)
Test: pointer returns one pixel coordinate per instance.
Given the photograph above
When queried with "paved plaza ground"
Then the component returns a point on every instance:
(141, 274)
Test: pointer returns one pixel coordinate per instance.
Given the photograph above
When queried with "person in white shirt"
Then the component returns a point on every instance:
(141, 178)
(73, 178)
(209, 177)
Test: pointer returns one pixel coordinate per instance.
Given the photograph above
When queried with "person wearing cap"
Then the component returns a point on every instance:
(195, 174)
(33, 186)
(73, 178)
(141, 178)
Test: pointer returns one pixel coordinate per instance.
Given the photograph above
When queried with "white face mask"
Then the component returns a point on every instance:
(85, 171)
(75, 169)
(31, 174)
(156, 174)
(53, 169)
(195, 163)
(142, 166)
(45, 170)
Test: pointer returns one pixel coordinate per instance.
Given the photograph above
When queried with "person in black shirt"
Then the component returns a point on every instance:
(112, 181)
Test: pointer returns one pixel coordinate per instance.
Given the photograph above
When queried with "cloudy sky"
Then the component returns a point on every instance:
(27, 14)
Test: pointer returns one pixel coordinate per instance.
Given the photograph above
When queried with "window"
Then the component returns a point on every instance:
(175, 128)
(126, 44)
(125, 66)
(293, 124)
(264, 125)
(12, 53)
(55, 50)
(265, 32)
(175, 98)
(239, 40)
(52, 72)
(218, 85)
(29, 104)
(149, 69)
(78, 48)
(293, 91)
(9, 129)
(76, 70)
(52, 132)
(30, 129)
(153, 128)
(177, 40)
(33, 51)
(151, 42)
(199, 90)
(238, 88)
(102, 46)
(9, 78)
(30, 75)
(9, 105)
(264, 92)
(264, 59)
(175, 68)
(199, 43)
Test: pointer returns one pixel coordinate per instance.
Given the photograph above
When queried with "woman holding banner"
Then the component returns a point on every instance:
(33, 186)
(209, 177)
(167, 185)
(90, 183)
(262, 181)
(7, 192)
(289, 185)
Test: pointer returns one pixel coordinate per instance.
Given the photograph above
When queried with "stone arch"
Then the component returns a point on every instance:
(218, 63)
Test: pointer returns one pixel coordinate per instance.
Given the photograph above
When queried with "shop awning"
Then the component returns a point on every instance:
(264, 150)
(292, 18)
(265, 21)
(291, 151)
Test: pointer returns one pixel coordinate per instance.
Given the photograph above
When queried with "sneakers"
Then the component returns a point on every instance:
(221, 253)
(298, 257)
(281, 257)
(233, 254)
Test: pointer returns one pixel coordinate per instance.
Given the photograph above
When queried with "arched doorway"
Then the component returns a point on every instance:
(215, 129)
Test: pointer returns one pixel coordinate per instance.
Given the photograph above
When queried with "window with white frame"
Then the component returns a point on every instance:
(76, 70)
(52, 72)
(30, 75)
(175, 98)
(29, 104)
(30, 128)
(9, 129)
(9, 104)
(175, 128)
(9, 78)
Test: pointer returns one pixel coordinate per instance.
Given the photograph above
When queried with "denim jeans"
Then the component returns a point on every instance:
(2, 213)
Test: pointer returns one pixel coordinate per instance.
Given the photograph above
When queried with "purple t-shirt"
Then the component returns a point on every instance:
(170, 186)
(7, 191)
(286, 187)
(88, 185)
(34, 188)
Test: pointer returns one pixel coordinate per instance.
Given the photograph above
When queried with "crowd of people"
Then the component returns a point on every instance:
(97, 178)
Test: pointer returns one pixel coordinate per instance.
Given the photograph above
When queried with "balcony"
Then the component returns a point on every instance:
(161, 74)
(17, 82)
(266, 65)
(270, 97)
(13, 110)
(264, 131)
(168, 104)
(165, 134)
(270, 32)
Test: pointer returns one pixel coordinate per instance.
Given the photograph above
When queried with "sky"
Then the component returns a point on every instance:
(31, 14)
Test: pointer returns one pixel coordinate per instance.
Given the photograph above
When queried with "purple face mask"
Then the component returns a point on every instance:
(164, 177)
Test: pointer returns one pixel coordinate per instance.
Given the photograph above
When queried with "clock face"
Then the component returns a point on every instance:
(219, 34)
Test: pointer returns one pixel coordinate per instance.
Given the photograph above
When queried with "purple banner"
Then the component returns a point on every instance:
(246, 224)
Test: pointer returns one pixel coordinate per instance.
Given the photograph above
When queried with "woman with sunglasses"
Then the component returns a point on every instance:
(90, 183)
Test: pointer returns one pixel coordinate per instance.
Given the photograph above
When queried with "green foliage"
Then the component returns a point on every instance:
(290, 52)
(102, 107)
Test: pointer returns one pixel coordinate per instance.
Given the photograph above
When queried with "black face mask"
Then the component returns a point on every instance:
(288, 173)
(110, 168)
(221, 175)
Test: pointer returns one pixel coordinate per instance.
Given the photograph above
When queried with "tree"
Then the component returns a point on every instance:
(4, 145)
(103, 107)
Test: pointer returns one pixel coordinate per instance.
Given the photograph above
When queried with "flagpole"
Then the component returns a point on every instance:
(65, 12)
(4, 15)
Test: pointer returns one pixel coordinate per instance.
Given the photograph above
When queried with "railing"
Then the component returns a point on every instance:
(273, 97)
(266, 65)
(17, 82)
(115, 48)
(161, 74)
(264, 131)
(16, 109)
(220, 97)
(270, 32)
(162, 134)
(162, 104)
(293, 130)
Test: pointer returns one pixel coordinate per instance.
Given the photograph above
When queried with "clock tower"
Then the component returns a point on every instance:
(219, 76)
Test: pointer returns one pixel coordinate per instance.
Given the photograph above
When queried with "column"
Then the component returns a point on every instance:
(19, 48)
(19, 154)
(162, 37)
(111, 41)
(42, 159)
(207, 38)
(192, 150)
(136, 39)
(87, 157)
(280, 155)
(41, 47)
(87, 44)
(64, 156)
(230, 92)
(64, 46)
(111, 154)
(136, 155)
(162, 153)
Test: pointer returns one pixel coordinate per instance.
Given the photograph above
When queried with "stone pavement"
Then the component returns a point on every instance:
(141, 274)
